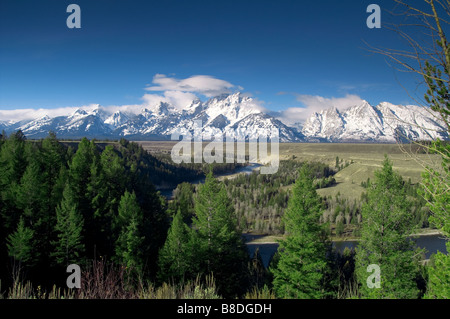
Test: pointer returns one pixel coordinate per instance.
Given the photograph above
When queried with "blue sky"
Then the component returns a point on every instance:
(285, 54)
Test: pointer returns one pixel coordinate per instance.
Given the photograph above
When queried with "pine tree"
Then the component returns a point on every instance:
(32, 192)
(33, 198)
(109, 185)
(435, 185)
(53, 160)
(221, 250)
(302, 264)
(99, 215)
(386, 226)
(154, 221)
(175, 260)
(20, 244)
(13, 162)
(438, 286)
(114, 170)
(129, 245)
(69, 247)
(83, 164)
(183, 201)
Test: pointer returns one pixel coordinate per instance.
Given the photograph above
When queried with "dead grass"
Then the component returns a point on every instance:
(108, 281)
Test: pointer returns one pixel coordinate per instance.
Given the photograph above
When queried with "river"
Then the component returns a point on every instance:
(248, 169)
(431, 243)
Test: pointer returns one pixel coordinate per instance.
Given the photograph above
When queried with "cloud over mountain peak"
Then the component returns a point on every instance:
(338, 122)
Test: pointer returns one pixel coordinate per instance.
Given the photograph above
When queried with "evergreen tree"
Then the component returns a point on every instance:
(183, 201)
(32, 192)
(69, 247)
(20, 245)
(33, 198)
(13, 162)
(115, 177)
(99, 214)
(221, 250)
(13, 159)
(384, 240)
(53, 160)
(140, 170)
(435, 189)
(129, 245)
(83, 188)
(175, 260)
(302, 265)
(438, 286)
(110, 184)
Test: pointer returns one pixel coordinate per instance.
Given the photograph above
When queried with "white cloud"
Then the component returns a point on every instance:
(293, 115)
(32, 114)
(177, 92)
(202, 84)
(316, 103)
(181, 92)
(178, 99)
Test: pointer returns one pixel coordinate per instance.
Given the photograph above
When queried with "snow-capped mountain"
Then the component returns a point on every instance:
(116, 119)
(382, 123)
(233, 114)
(223, 114)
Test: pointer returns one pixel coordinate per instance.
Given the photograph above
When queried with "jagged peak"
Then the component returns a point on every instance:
(236, 96)
(331, 110)
(363, 103)
(221, 97)
(386, 104)
(45, 118)
(79, 112)
(360, 121)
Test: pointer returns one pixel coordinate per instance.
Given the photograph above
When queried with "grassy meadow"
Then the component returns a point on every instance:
(363, 160)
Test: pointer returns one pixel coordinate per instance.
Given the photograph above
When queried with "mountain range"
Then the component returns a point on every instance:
(230, 113)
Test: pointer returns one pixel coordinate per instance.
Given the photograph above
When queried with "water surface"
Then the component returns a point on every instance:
(431, 243)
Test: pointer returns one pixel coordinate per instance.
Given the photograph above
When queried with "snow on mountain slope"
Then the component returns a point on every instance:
(229, 114)
(382, 123)
(234, 107)
(116, 119)
(262, 124)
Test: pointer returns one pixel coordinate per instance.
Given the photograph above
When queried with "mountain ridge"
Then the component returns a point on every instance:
(230, 113)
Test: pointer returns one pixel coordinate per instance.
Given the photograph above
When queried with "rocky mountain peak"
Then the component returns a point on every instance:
(363, 122)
